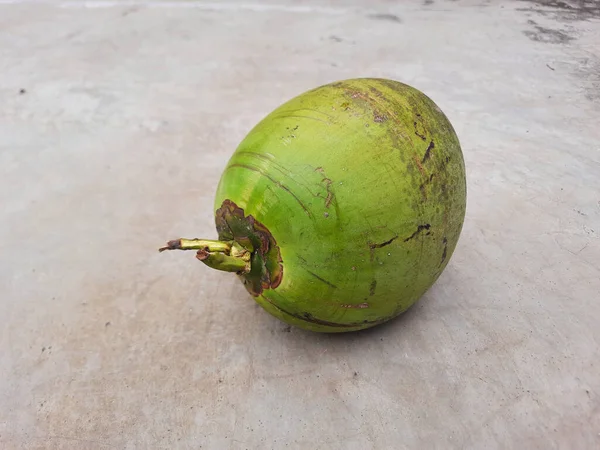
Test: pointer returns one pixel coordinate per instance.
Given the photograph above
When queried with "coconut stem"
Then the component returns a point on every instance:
(220, 255)
(197, 244)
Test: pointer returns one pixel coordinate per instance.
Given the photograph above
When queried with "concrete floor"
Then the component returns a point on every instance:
(116, 121)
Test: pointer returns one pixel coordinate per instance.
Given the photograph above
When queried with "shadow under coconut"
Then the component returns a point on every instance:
(314, 346)
(263, 349)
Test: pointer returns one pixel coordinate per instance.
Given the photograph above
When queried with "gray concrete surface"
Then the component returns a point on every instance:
(115, 123)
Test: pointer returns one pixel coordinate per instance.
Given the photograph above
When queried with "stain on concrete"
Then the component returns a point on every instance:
(588, 71)
(387, 17)
(547, 35)
(568, 11)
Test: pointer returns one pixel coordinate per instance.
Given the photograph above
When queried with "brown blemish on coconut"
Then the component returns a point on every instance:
(427, 154)
(328, 184)
(379, 117)
(418, 231)
(372, 287)
(359, 306)
(445, 252)
(374, 246)
(266, 264)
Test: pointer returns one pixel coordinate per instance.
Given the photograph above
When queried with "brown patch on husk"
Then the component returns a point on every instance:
(266, 271)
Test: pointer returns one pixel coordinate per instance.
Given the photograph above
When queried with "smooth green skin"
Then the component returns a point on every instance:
(365, 216)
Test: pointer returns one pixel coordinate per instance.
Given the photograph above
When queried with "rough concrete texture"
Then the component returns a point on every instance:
(115, 123)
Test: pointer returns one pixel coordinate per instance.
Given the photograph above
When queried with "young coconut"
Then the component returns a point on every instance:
(342, 206)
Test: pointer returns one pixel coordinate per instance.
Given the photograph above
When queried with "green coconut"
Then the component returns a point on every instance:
(342, 207)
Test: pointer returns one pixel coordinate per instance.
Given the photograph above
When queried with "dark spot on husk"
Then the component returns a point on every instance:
(445, 252)
(372, 287)
(420, 228)
(423, 186)
(388, 17)
(22, 91)
(379, 117)
(427, 154)
(266, 270)
(377, 92)
(373, 245)
(419, 128)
